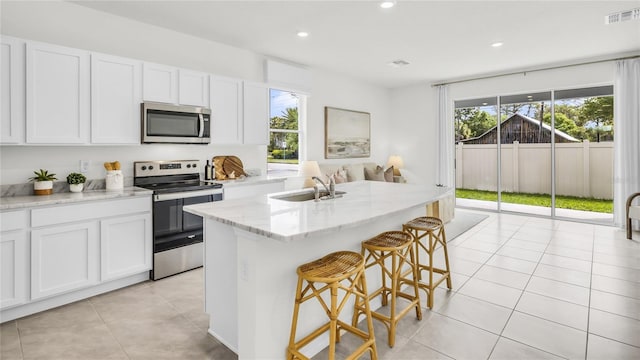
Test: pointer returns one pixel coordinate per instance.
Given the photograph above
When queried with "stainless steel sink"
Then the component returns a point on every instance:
(306, 196)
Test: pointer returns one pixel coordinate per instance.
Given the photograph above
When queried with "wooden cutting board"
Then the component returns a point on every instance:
(233, 164)
(218, 162)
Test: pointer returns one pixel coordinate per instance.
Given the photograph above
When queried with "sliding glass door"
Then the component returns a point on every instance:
(476, 153)
(525, 153)
(551, 153)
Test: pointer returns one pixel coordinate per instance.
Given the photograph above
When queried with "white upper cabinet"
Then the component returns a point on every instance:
(193, 88)
(160, 83)
(12, 106)
(58, 104)
(226, 110)
(256, 113)
(116, 94)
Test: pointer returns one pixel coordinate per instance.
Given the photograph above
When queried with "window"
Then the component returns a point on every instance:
(285, 132)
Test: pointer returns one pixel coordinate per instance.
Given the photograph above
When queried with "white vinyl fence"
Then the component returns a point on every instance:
(582, 169)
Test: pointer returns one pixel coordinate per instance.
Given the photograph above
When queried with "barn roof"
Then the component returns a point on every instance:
(534, 122)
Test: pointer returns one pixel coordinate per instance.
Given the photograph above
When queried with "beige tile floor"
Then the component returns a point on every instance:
(524, 288)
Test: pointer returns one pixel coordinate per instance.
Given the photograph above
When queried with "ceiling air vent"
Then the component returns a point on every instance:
(628, 15)
(398, 63)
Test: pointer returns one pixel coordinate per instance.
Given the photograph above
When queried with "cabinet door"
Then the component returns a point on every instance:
(64, 258)
(58, 100)
(12, 105)
(193, 88)
(256, 114)
(160, 83)
(226, 110)
(14, 264)
(116, 94)
(126, 246)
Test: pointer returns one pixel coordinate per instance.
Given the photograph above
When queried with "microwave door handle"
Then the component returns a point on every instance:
(201, 133)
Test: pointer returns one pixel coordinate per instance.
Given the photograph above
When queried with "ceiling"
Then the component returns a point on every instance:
(441, 40)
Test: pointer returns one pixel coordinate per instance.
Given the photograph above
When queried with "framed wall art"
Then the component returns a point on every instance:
(347, 133)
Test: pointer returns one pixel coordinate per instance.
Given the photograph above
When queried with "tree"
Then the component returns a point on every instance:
(595, 113)
(473, 122)
(288, 120)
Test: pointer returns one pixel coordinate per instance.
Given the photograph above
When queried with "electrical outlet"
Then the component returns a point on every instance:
(84, 166)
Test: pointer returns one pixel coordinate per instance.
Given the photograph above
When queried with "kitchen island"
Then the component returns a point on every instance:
(254, 245)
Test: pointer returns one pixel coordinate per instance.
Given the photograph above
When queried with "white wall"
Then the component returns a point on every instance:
(72, 25)
(413, 128)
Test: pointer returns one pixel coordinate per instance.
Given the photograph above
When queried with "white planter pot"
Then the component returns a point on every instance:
(43, 187)
(75, 188)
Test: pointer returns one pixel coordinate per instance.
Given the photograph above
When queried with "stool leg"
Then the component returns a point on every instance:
(367, 309)
(294, 322)
(414, 266)
(443, 238)
(394, 288)
(431, 288)
(333, 316)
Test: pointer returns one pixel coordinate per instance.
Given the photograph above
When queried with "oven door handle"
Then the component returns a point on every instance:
(201, 133)
(185, 194)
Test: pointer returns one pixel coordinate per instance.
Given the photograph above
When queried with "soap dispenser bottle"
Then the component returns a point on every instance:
(208, 171)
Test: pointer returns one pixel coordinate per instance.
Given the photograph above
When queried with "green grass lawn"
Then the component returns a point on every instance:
(563, 202)
(282, 161)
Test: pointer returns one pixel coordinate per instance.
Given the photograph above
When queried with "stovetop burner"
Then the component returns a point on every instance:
(170, 176)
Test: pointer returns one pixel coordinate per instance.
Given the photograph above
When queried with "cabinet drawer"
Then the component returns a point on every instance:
(88, 211)
(13, 220)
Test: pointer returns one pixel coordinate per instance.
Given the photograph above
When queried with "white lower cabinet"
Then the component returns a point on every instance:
(64, 258)
(13, 268)
(53, 255)
(14, 259)
(125, 246)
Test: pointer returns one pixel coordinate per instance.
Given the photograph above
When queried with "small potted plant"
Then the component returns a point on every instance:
(76, 182)
(43, 182)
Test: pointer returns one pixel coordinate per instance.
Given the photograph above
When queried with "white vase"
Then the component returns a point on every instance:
(76, 188)
(43, 187)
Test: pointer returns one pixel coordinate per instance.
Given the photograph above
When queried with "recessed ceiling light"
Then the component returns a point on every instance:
(387, 4)
(497, 44)
(484, 103)
(303, 34)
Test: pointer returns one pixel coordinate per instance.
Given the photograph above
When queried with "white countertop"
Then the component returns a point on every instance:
(248, 180)
(22, 202)
(282, 220)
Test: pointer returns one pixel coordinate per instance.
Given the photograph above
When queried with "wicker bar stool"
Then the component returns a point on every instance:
(343, 270)
(431, 229)
(393, 252)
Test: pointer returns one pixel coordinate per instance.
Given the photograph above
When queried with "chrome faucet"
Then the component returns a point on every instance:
(331, 189)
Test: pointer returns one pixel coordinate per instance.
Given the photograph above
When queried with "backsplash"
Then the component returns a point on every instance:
(58, 187)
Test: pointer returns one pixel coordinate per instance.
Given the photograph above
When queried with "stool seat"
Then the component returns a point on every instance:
(392, 252)
(332, 267)
(340, 273)
(432, 230)
(425, 223)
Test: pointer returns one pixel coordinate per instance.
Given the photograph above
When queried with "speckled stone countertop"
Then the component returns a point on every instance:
(283, 220)
(249, 180)
(28, 201)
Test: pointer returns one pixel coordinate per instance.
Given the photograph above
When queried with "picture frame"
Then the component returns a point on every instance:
(347, 133)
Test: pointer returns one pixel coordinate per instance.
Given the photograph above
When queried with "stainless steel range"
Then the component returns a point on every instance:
(177, 235)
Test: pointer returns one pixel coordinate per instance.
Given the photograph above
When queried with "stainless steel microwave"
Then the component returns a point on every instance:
(178, 124)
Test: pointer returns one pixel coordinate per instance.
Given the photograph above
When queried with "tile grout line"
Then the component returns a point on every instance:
(522, 293)
(586, 345)
(109, 328)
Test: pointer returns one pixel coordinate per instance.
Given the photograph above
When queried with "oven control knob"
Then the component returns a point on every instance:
(188, 166)
(143, 168)
(193, 166)
(150, 167)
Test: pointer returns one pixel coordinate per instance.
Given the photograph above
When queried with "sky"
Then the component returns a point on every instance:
(281, 100)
